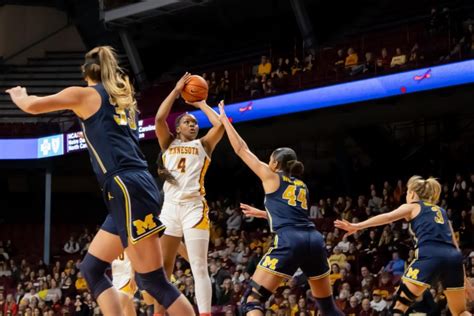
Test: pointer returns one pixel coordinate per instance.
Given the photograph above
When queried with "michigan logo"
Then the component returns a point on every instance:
(412, 273)
(145, 225)
(269, 263)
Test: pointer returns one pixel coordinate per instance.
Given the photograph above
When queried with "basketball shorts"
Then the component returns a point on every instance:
(297, 248)
(436, 262)
(181, 216)
(133, 202)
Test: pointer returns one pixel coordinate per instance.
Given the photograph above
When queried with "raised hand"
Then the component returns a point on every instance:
(182, 82)
(17, 94)
(250, 211)
(347, 226)
(222, 114)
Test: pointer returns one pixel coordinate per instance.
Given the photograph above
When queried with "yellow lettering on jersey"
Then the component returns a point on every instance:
(132, 122)
(439, 215)
(143, 226)
(286, 179)
(270, 263)
(121, 117)
(290, 195)
(413, 273)
(184, 150)
(299, 183)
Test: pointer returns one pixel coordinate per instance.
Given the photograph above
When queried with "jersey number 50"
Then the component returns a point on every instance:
(291, 196)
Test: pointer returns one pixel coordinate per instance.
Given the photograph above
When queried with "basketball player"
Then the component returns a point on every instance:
(108, 116)
(297, 242)
(123, 281)
(437, 254)
(185, 160)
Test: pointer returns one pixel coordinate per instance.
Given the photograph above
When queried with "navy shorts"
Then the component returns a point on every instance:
(436, 262)
(133, 201)
(297, 248)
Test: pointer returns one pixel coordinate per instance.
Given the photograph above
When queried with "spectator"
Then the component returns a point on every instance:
(383, 61)
(268, 87)
(10, 307)
(296, 67)
(335, 273)
(338, 257)
(340, 61)
(344, 245)
(399, 59)
(367, 67)
(265, 67)
(353, 309)
(396, 266)
(234, 221)
(352, 58)
(308, 62)
(255, 88)
(378, 303)
(72, 246)
(81, 285)
(415, 57)
(213, 87)
(375, 202)
(224, 88)
(366, 310)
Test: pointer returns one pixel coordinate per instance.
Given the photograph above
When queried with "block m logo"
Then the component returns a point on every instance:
(145, 225)
(269, 263)
(413, 273)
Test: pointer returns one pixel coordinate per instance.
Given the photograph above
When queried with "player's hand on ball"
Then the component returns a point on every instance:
(182, 82)
(345, 225)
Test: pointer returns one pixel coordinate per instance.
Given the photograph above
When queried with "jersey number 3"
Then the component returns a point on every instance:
(291, 197)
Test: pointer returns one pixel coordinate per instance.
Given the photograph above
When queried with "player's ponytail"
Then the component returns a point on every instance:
(101, 65)
(163, 173)
(288, 162)
(427, 190)
(295, 168)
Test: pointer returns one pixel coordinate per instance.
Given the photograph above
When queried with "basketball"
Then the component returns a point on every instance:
(195, 90)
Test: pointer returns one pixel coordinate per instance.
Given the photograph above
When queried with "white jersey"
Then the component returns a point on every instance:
(121, 271)
(188, 163)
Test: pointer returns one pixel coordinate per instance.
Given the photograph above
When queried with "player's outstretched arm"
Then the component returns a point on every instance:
(71, 98)
(262, 170)
(251, 211)
(161, 127)
(404, 211)
(214, 135)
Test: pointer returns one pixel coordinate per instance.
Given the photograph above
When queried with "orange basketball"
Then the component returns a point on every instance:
(196, 89)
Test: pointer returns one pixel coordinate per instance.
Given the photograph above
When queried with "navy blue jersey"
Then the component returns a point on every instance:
(112, 139)
(288, 206)
(431, 225)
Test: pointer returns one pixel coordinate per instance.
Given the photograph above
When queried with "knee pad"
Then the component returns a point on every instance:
(407, 301)
(157, 285)
(257, 292)
(93, 270)
(328, 306)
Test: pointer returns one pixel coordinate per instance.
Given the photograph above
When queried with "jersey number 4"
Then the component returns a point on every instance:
(182, 165)
(291, 196)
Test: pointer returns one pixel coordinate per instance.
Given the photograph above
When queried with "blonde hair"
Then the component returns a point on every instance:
(101, 66)
(427, 190)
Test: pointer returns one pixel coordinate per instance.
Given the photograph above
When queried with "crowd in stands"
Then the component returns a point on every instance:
(438, 42)
(365, 268)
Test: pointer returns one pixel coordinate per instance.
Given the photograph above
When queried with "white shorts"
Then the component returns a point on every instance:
(178, 217)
